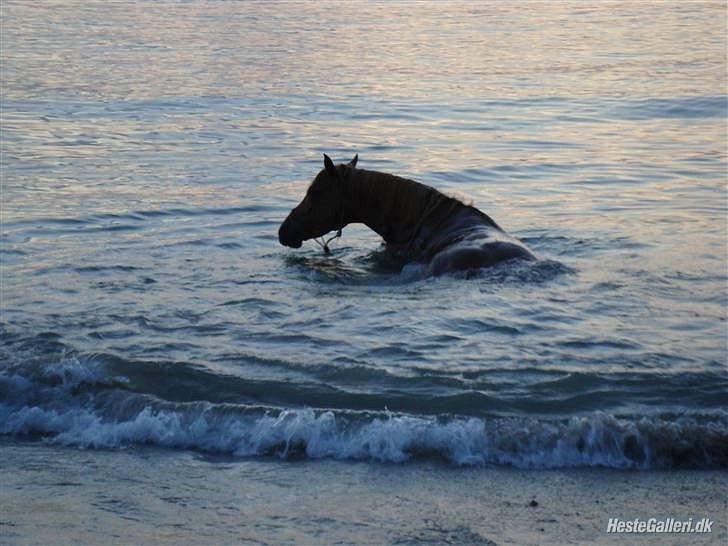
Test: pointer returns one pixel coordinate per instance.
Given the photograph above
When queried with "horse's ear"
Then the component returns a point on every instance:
(352, 163)
(330, 168)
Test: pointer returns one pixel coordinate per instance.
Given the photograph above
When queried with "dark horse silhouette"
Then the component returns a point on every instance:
(417, 222)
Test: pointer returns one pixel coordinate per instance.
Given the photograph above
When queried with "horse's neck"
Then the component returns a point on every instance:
(393, 207)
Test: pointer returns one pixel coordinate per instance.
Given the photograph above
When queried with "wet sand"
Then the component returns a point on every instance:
(57, 495)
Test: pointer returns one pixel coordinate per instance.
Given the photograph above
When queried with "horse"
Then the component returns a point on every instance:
(418, 223)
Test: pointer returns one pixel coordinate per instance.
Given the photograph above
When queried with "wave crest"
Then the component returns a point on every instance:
(597, 439)
(77, 402)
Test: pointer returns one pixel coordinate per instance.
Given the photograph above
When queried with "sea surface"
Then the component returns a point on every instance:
(150, 150)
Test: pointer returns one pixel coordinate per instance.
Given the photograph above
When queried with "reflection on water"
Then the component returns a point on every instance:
(150, 151)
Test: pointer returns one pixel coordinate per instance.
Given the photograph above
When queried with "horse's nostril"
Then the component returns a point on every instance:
(286, 238)
(283, 234)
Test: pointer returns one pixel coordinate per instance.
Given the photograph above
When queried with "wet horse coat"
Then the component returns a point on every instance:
(417, 222)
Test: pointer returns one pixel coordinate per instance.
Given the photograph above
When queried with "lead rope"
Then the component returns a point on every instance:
(324, 244)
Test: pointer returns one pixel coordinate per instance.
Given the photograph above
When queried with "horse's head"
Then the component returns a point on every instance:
(322, 209)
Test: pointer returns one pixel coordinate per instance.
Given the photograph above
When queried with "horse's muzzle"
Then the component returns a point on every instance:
(286, 238)
(292, 244)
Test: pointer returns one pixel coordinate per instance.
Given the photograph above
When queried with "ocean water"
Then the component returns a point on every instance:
(151, 150)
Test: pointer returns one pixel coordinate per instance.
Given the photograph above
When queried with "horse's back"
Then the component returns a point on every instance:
(461, 257)
(475, 242)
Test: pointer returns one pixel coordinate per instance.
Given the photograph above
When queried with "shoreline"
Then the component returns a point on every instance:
(149, 495)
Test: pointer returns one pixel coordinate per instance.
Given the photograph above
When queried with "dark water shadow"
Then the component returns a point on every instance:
(384, 267)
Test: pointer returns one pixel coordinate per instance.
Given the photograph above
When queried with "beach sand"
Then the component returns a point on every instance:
(58, 495)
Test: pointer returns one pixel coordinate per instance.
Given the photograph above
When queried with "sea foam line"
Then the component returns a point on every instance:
(597, 439)
(78, 403)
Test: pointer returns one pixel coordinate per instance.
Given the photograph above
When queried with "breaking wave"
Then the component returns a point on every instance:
(78, 403)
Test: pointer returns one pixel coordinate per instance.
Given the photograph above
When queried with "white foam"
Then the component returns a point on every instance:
(46, 403)
(594, 440)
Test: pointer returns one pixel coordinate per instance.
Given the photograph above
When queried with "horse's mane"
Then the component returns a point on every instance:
(417, 203)
(420, 193)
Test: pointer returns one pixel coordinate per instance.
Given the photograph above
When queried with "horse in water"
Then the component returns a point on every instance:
(417, 222)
